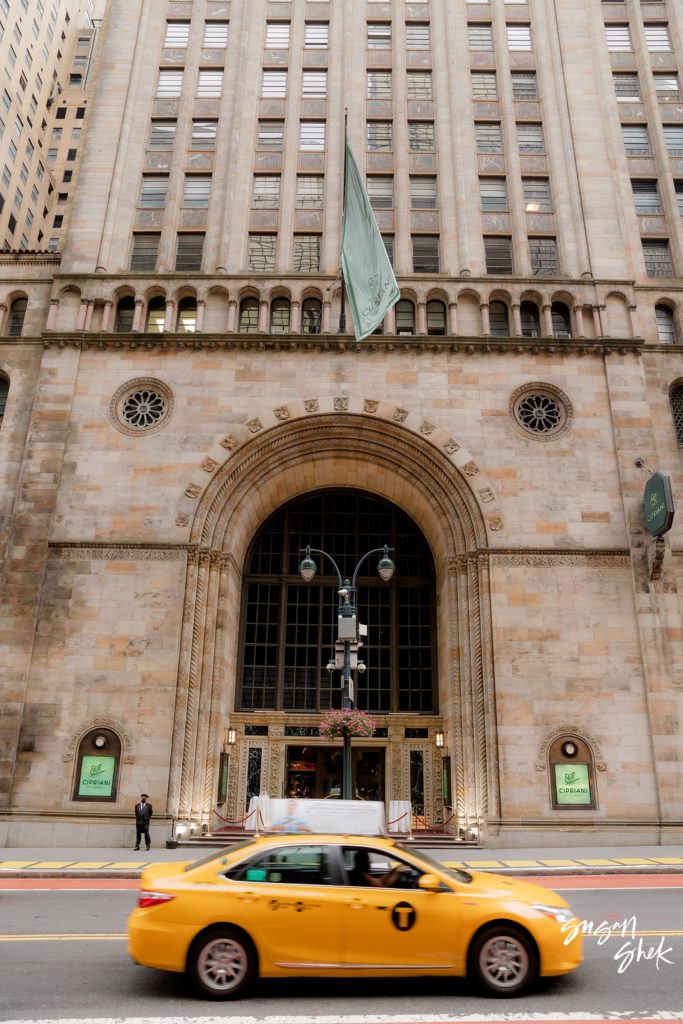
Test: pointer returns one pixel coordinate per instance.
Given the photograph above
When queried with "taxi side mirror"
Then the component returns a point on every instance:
(432, 883)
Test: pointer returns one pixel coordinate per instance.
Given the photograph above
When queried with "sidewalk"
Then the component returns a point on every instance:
(119, 863)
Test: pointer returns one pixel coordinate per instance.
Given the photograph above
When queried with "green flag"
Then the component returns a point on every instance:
(369, 276)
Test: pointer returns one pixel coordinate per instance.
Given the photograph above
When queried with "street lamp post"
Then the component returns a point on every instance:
(347, 633)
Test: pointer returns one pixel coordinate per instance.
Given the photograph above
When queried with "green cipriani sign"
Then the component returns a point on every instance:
(97, 776)
(658, 504)
(572, 784)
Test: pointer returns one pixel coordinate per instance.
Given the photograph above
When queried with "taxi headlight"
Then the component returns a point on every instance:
(561, 914)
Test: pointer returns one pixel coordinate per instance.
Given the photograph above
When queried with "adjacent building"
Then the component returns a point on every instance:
(185, 414)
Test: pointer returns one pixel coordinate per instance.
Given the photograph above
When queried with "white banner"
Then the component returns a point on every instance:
(336, 817)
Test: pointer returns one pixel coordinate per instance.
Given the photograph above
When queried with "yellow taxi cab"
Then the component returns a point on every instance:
(345, 906)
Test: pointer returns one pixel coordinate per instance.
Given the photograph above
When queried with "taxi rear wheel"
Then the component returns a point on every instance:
(503, 961)
(221, 963)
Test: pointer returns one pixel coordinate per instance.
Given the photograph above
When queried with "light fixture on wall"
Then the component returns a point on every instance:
(100, 741)
(232, 736)
(439, 739)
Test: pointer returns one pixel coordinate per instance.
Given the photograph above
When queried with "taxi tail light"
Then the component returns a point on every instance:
(153, 899)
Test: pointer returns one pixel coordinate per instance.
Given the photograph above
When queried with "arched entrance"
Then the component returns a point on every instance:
(318, 451)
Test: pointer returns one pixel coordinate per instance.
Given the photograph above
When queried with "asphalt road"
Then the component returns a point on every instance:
(62, 956)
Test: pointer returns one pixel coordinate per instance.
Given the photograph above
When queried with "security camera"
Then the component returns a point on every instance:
(639, 463)
(361, 667)
(343, 592)
(331, 666)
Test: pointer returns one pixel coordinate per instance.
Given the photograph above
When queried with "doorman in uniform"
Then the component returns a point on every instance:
(143, 812)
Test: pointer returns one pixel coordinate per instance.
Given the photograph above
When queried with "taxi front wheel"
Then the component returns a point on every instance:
(221, 963)
(503, 961)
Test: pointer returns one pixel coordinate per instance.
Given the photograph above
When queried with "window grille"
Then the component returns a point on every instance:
(312, 135)
(636, 139)
(678, 185)
(537, 198)
(423, 193)
(216, 34)
(189, 251)
(480, 37)
(645, 196)
(153, 190)
(380, 135)
(417, 36)
(524, 85)
(484, 85)
(673, 137)
(162, 134)
(425, 254)
(498, 255)
(626, 87)
(419, 85)
(262, 252)
(519, 37)
(666, 329)
(657, 258)
(143, 255)
(493, 194)
(489, 137)
(530, 138)
(197, 189)
(543, 253)
(379, 85)
(676, 399)
(421, 136)
(306, 254)
(380, 192)
(309, 191)
(666, 86)
(266, 190)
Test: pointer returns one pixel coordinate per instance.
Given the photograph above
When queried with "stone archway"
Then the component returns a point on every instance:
(331, 450)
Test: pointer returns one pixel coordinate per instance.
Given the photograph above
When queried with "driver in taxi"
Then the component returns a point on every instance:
(360, 873)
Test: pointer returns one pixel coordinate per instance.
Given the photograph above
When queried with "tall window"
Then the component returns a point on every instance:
(249, 311)
(498, 254)
(543, 255)
(562, 325)
(493, 194)
(4, 391)
(279, 316)
(15, 319)
(311, 316)
(187, 315)
(657, 255)
(666, 325)
(425, 254)
(277, 35)
(421, 136)
(436, 317)
(309, 191)
(125, 311)
(156, 314)
(524, 86)
(316, 35)
(484, 85)
(144, 252)
(405, 317)
(380, 135)
(673, 136)
(289, 627)
(266, 190)
(262, 252)
(381, 192)
(530, 320)
(417, 36)
(215, 34)
(489, 137)
(676, 399)
(498, 320)
(306, 254)
(189, 251)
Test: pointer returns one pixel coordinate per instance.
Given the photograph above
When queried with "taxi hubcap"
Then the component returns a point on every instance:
(222, 963)
(504, 961)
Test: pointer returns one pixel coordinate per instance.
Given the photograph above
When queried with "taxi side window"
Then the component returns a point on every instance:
(289, 865)
(367, 867)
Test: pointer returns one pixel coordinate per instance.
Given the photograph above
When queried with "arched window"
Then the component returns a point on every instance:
(156, 314)
(311, 316)
(666, 324)
(249, 309)
(187, 315)
(572, 775)
(436, 317)
(289, 627)
(530, 322)
(498, 320)
(405, 317)
(279, 316)
(4, 390)
(125, 312)
(676, 399)
(97, 766)
(561, 321)
(15, 320)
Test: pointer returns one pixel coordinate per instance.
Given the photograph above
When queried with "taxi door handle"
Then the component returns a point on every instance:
(355, 904)
(248, 897)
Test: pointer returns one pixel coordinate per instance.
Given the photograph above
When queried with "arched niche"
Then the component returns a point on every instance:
(98, 766)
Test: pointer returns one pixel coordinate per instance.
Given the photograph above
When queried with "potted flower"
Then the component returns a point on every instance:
(346, 722)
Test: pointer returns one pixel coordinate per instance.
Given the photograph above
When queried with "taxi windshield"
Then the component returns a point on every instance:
(455, 873)
(217, 854)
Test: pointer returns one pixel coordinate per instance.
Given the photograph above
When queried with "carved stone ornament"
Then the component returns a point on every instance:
(312, 405)
(486, 494)
(229, 443)
(99, 722)
(569, 729)
(427, 428)
(470, 469)
(193, 490)
(400, 415)
(253, 426)
(282, 412)
(370, 405)
(495, 523)
(341, 404)
(182, 519)
(208, 465)
(451, 447)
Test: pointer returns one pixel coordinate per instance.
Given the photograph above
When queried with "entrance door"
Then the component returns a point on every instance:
(315, 773)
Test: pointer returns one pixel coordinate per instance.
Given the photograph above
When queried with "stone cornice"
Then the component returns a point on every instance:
(32, 259)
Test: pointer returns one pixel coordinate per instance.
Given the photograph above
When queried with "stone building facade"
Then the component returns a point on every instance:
(183, 415)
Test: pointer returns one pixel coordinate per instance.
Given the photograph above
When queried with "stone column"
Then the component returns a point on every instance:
(422, 318)
(295, 317)
(106, 316)
(168, 318)
(453, 318)
(326, 317)
(137, 317)
(88, 315)
(390, 321)
(201, 306)
(580, 327)
(516, 320)
(263, 316)
(602, 317)
(485, 322)
(3, 310)
(596, 322)
(633, 317)
(232, 316)
(52, 315)
(80, 319)
(548, 319)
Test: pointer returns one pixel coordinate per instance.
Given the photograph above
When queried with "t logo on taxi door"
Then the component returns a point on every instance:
(403, 917)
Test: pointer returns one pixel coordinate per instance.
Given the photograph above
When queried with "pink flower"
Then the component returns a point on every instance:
(346, 720)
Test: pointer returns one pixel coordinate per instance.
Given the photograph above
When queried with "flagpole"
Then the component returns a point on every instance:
(342, 307)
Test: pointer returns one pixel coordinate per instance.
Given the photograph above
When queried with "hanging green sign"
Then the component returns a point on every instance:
(658, 504)
(572, 784)
(97, 776)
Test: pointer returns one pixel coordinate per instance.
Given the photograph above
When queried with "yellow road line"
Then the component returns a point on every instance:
(521, 863)
(16, 863)
(596, 861)
(90, 864)
(60, 938)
